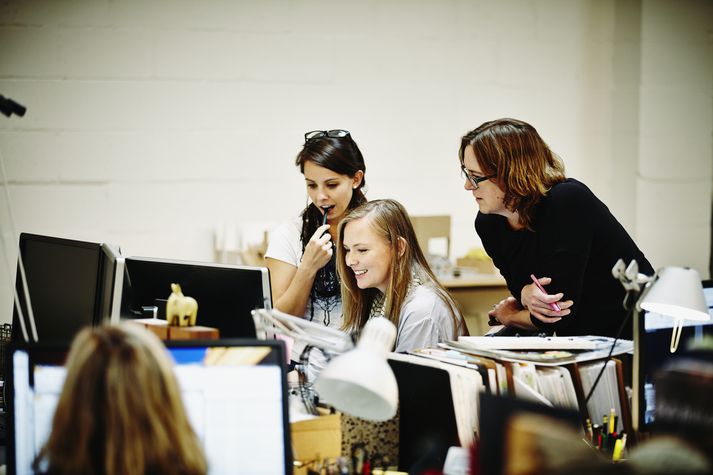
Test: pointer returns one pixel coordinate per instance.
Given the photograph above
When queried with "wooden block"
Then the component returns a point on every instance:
(317, 438)
(193, 333)
(157, 326)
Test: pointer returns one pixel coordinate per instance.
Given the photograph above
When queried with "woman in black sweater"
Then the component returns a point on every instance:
(533, 220)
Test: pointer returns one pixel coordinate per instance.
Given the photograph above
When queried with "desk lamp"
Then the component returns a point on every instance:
(358, 381)
(673, 292)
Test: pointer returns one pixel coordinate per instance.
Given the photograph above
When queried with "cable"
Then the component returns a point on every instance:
(21, 266)
(630, 311)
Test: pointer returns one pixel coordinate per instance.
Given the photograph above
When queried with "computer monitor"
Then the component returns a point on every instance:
(652, 335)
(226, 294)
(112, 282)
(234, 392)
(68, 285)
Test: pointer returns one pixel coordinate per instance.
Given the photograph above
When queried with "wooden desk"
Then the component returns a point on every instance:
(476, 294)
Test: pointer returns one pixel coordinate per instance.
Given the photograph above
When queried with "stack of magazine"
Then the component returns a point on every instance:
(552, 371)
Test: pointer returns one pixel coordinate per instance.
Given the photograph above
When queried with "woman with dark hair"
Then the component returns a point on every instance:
(300, 253)
(533, 221)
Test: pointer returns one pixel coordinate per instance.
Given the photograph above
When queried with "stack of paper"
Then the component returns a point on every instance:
(466, 385)
(606, 394)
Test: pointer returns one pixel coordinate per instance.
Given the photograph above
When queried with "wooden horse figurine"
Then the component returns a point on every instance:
(181, 310)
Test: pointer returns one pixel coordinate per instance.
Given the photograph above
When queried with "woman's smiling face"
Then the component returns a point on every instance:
(368, 255)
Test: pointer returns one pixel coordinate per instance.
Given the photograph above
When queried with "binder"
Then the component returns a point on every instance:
(563, 379)
(438, 408)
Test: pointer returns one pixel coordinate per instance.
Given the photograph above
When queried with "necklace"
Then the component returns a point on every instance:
(378, 306)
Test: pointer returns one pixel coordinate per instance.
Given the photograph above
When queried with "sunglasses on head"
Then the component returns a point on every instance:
(318, 134)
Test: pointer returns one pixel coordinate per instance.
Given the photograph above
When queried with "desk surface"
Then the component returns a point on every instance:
(472, 281)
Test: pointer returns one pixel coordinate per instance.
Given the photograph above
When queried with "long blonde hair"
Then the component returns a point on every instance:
(120, 410)
(390, 221)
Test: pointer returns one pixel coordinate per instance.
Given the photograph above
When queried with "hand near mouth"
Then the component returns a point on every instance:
(318, 250)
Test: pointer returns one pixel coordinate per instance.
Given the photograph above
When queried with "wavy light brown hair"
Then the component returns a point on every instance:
(120, 410)
(390, 221)
(525, 167)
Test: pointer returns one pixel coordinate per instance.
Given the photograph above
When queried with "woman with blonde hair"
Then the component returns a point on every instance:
(384, 273)
(120, 410)
(535, 223)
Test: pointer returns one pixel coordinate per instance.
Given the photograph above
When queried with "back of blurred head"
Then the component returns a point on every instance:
(120, 410)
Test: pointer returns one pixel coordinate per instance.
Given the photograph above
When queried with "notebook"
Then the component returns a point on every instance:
(234, 392)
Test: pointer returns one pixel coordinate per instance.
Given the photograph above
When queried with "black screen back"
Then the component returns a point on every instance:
(63, 281)
(226, 295)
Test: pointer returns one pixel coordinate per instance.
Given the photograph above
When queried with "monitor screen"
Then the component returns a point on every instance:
(653, 348)
(234, 392)
(64, 283)
(226, 294)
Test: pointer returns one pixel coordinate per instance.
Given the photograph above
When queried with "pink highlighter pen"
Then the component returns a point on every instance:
(553, 306)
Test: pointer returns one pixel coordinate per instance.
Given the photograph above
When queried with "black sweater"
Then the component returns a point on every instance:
(576, 241)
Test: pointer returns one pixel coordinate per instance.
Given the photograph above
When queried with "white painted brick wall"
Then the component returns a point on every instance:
(675, 141)
(149, 122)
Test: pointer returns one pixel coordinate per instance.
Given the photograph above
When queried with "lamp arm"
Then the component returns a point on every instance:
(636, 284)
(274, 322)
(644, 292)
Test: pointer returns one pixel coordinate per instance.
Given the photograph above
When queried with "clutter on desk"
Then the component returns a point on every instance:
(319, 442)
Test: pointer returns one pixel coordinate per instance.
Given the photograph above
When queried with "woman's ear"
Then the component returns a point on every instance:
(401, 246)
(357, 179)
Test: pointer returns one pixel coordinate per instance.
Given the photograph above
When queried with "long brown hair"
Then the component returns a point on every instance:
(120, 410)
(390, 221)
(524, 165)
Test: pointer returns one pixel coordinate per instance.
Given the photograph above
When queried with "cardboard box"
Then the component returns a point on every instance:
(332, 435)
(317, 438)
(433, 234)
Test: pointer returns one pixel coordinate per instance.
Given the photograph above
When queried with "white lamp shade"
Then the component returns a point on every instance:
(361, 382)
(677, 293)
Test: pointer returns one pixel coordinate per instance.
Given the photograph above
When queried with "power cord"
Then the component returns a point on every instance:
(630, 308)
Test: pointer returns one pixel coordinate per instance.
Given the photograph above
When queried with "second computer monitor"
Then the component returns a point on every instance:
(226, 294)
(70, 284)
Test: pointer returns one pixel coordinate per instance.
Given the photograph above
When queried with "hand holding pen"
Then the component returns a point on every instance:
(543, 306)
(318, 250)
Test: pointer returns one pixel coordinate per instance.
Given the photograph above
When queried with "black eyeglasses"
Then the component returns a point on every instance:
(475, 181)
(318, 134)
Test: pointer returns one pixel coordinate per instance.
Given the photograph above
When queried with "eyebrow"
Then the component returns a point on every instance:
(328, 180)
(473, 172)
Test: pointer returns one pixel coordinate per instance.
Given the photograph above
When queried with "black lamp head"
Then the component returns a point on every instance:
(9, 107)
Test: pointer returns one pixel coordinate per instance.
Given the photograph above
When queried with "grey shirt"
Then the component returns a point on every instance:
(425, 320)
